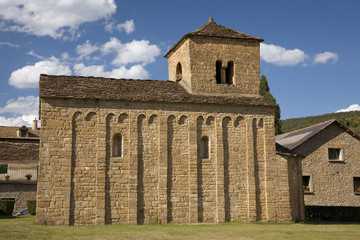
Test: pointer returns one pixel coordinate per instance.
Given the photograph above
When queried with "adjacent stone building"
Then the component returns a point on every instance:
(19, 154)
(197, 148)
(330, 168)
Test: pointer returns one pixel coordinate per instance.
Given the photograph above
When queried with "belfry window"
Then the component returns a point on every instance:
(204, 147)
(224, 74)
(178, 72)
(117, 145)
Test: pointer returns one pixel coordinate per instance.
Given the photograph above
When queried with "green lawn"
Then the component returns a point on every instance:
(25, 228)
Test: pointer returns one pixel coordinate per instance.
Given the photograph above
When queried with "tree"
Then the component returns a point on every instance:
(265, 92)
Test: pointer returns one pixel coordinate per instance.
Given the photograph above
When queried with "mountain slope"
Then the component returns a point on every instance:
(353, 118)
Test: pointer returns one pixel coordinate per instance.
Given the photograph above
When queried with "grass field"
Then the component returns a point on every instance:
(25, 228)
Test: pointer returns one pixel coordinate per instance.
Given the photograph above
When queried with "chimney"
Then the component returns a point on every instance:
(35, 125)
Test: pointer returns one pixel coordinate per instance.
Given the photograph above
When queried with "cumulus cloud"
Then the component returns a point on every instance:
(132, 52)
(28, 76)
(134, 72)
(128, 26)
(326, 57)
(52, 17)
(353, 107)
(86, 49)
(23, 111)
(24, 120)
(280, 56)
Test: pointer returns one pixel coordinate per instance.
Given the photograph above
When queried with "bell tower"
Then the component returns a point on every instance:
(216, 60)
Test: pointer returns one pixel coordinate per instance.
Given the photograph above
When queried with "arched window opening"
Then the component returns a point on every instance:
(230, 72)
(178, 72)
(117, 145)
(218, 71)
(224, 74)
(204, 147)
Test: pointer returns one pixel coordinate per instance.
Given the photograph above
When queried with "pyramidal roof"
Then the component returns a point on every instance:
(212, 29)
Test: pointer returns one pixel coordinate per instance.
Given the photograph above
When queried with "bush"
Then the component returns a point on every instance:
(7, 207)
(31, 206)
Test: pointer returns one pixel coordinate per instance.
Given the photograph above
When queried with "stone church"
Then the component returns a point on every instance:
(197, 148)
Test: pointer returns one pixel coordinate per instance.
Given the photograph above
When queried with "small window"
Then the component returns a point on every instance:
(307, 184)
(204, 147)
(224, 74)
(178, 72)
(230, 72)
(117, 145)
(218, 71)
(3, 169)
(357, 185)
(335, 154)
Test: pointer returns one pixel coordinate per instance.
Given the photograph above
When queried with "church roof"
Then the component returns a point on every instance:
(132, 90)
(11, 132)
(294, 139)
(211, 29)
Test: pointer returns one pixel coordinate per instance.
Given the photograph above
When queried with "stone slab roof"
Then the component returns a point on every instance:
(294, 139)
(10, 132)
(11, 150)
(211, 29)
(132, 90)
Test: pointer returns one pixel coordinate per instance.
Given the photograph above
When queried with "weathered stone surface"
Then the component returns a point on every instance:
(193, 151)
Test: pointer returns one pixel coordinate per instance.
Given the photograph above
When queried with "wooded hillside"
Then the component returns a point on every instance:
(353, 118)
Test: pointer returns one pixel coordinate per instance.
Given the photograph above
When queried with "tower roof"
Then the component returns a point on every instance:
(211, 29)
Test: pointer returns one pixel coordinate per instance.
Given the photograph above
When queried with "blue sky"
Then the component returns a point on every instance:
(310, 55)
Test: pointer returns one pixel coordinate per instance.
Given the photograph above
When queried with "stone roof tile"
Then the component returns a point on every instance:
(133, 90)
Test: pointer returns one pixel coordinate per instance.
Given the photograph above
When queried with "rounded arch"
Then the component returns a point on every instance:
(123, 118)
(109, 117)
(182, 120)
(170, 118)
(200, 120)
(178, 72)
(261, 123)
(152, 119)
(210, 120)
(204, 146)
(226, 121)
(117, 145)
(238, 121)
(89, 116)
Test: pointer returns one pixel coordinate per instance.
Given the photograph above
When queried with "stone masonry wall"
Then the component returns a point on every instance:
(332, 181)
(198, 58)
(20, 190)
(161, 175)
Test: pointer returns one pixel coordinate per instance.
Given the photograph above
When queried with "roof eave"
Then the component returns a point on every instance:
(190, 35)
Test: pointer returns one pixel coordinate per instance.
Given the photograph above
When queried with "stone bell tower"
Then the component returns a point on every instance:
(216, 60)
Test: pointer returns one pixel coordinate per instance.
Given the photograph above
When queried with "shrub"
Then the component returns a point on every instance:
(6, 207)
(31, 206)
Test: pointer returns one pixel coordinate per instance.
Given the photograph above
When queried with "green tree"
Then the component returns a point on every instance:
(265, 92)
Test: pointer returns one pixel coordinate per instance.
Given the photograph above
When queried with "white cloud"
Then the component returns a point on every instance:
(280, 56)
(24, 105)
(28, 76)
(86, 49)
(23, 110)
(134, 72)
(353, 107)
(52, 17)
(32, 53)
(128, 26)
(8, 44)
(325, 57)
(24, 120)
(132, 52)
